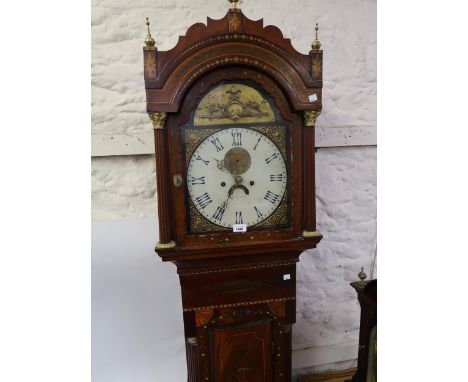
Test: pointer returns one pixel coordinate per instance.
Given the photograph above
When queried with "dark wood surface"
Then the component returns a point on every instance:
(367, 295)
(238, 290)
(241, 285)
(242, 353)
(162, 179)
(309, 178)
(207, 47)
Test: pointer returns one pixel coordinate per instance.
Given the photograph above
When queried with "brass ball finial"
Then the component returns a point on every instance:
(362, 276)
(234, 3)
(316, 44)
(149, 40)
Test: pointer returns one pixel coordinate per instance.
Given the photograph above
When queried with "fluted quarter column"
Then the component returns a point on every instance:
(193, 360)
(309, 173)
(163, 187)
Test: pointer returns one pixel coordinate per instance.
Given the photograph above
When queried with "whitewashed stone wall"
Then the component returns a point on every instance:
(123, 174)
(348, 36)
(123, 187)
(327, 326)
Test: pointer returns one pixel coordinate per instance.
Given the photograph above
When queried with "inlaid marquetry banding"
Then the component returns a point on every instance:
(237, 268)
(239, 304)
(228, 37)
(202, 317)
(223, 61)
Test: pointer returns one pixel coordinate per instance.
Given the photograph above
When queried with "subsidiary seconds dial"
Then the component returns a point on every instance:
(236, 176)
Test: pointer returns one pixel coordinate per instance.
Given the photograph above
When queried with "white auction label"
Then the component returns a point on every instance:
(313, 97)
(287, 276)
(239, 228)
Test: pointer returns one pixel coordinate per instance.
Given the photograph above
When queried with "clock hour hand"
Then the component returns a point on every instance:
(225, 203)
(220, 164)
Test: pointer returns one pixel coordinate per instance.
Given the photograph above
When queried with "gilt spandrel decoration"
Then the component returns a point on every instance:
(193, 137)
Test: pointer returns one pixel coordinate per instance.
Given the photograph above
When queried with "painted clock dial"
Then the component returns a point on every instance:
(236, 176)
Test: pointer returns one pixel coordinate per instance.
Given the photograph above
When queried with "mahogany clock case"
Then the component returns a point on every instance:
(238, 289)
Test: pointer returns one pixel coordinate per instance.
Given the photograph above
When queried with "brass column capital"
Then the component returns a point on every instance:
(310, 116)
(158, 119)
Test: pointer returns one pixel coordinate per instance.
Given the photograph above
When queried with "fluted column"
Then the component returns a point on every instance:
(163, 189)
(193, 360)
(309, 173)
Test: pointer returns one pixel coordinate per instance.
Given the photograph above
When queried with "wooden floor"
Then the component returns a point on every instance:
(335, 376)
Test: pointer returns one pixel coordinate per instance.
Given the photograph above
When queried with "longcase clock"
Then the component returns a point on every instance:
(233, 106)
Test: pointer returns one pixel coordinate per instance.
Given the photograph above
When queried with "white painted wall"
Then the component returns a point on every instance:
(137, 327)
(130, 284)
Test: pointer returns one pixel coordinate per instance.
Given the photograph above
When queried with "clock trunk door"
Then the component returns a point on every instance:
(242, 353)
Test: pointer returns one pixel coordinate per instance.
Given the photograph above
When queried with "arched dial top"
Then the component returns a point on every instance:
(236, 176)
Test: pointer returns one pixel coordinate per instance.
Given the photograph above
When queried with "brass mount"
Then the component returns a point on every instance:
(310, 116)
(233, 3)
(171, 244)
(158, 119)
(311, 234)
(316, 43)
(362, 276)
(149, 40)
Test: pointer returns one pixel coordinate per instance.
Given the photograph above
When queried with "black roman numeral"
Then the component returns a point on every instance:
(218, 215)
(256, 144)
(200, 180)
(198, 157)
(236, 139)
(217, 144)
(271, 197)
(203, 200)
(276, 178)
(269, 159)
(239, 218)
(259, 214)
